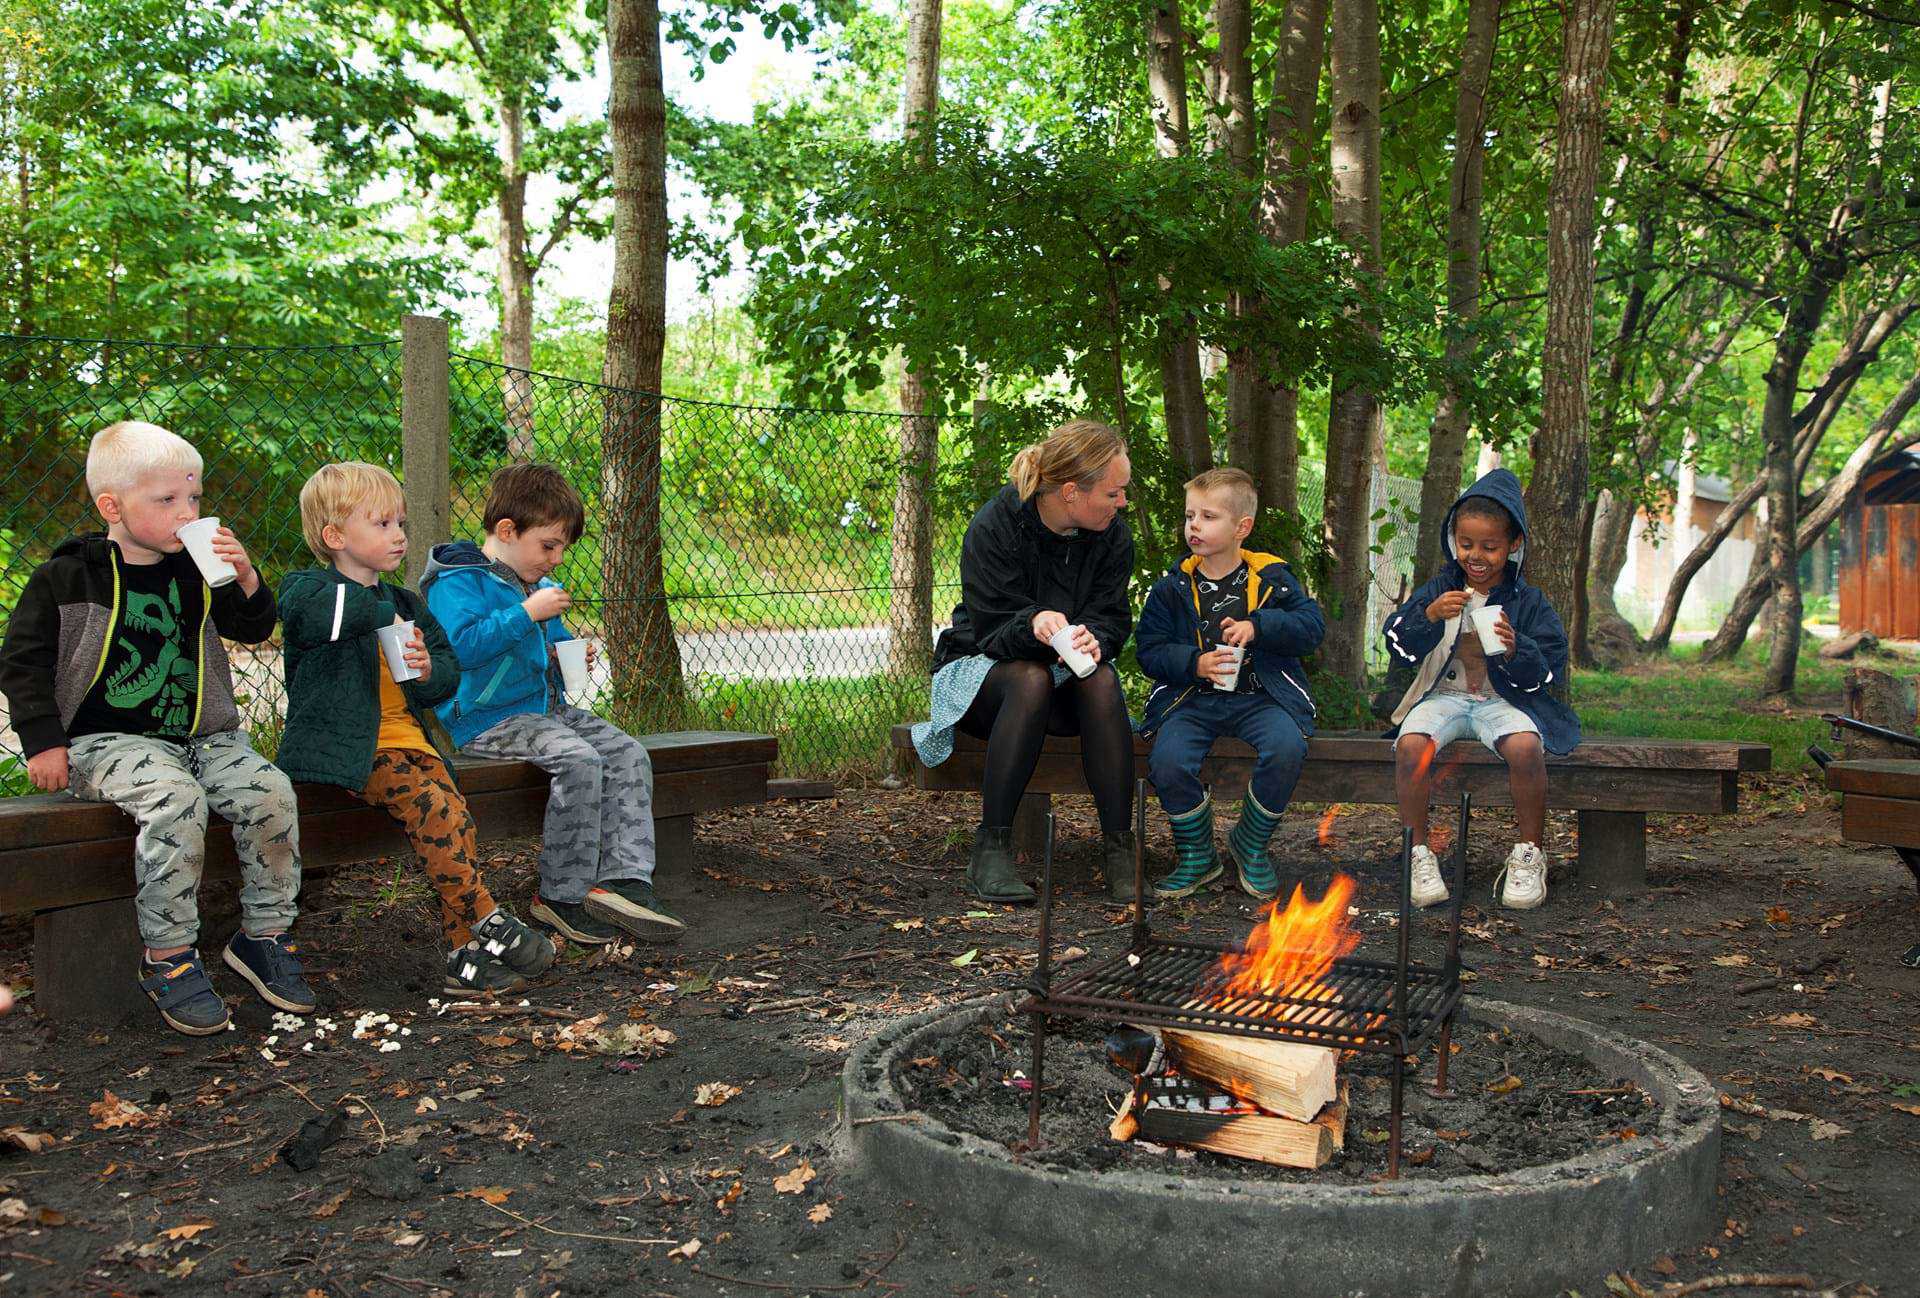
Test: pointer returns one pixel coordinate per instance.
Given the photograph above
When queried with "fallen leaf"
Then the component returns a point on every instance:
(187, 1230)
(408, 1240)
(1733, 961)
(819, 1213)
(1665, 1266)
(711, 1095)
(50, 1217)
(1824, 1130)
(908, 925)
(962, 961)
(1914, 1109)
(111, 1111)
(31, 1141)
(1829, 1075)
(834, 1044)
(794, 1180)
(1794, 1020)
(12, 1210)
(1505, 1084)
(687, 1249)
(332, 1205)
(426, 1105)
(1779, 915)
(494, 1194)
(1544, 961)
(499, 1042)
(726, 1201)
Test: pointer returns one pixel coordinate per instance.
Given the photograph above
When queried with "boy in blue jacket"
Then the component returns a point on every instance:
(1222, 595)
(1501, 699)
(501, 610)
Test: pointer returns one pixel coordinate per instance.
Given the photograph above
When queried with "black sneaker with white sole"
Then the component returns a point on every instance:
(272, 966)
(573, 921)
(526, 951)
(630, 904)
(473, 971)
(179, 988)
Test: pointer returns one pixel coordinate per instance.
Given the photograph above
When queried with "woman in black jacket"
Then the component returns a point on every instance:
(1048, 551)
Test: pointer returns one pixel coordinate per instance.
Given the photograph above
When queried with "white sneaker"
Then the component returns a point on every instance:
(1429, 889)
(1525, 877)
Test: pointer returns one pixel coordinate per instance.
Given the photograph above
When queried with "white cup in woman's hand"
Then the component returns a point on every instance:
(1077, 649)
(1047, 624)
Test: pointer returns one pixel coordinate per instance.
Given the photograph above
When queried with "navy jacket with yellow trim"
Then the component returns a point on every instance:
(1287, 623)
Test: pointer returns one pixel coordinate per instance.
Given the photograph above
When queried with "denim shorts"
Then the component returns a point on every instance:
(1447, 716)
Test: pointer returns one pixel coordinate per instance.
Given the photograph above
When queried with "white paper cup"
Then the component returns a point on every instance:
(394, 640)
(1485, 620)
(573, 666)
(1062, 642)
(197, 536)
(1232, 682)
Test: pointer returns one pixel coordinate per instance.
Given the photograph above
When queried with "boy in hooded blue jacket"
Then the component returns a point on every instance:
(1222, 597)
(501, 610)
(1460, 689)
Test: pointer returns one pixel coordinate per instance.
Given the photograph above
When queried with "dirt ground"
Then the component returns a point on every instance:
(507, 1153)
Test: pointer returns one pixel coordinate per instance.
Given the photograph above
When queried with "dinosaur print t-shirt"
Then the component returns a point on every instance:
(149, 684)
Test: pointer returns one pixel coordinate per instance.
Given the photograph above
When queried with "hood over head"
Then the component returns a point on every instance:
(450, 555)
(1501, 487)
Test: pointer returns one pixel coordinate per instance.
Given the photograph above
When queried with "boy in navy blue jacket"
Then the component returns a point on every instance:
(1461, 689)
(1220, 599)
(501, 610)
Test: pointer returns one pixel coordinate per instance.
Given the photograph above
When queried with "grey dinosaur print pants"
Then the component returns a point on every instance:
(599, 822)
(168, 789)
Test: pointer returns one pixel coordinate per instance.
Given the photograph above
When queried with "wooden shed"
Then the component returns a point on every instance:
(1878, 542)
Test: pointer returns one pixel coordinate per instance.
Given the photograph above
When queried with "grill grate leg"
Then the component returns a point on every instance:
(1393, 1122)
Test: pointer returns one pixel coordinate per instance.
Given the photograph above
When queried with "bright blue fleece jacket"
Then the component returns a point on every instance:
(503, 653)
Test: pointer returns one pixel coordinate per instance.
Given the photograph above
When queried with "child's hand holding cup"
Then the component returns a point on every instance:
(406, 652)
(1496, 633)
(213, 549)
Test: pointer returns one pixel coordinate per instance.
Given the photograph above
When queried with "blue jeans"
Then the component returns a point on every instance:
(1187, 735)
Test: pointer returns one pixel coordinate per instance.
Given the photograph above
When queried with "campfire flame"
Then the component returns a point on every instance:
(1326, 823)
(1290, 950)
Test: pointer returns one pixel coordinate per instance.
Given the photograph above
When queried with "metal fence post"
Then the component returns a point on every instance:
(425, 444)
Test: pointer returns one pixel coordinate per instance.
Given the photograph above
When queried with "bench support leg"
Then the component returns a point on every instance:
(85, 960)
(673, 854)
(1030, 825)
(1613, 850)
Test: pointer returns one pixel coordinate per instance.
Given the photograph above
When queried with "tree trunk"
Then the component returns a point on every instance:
(910, 608)
(648, 689)
(1233, 24)
(1182, 393)
(1447, 437)
(1818, 511)
(1352, 409)
(1557, 494)
(516, 284)
(1283, 219)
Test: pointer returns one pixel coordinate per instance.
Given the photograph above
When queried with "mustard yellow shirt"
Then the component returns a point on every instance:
(398, 729)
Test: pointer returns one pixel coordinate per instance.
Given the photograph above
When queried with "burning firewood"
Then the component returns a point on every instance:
(1176, 1110)
(1286, 1078)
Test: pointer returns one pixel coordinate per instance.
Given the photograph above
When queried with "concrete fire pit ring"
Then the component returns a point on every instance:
(1525, 1233)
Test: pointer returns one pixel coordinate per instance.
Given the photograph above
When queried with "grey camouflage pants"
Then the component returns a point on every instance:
(599, 823)
(168, 789)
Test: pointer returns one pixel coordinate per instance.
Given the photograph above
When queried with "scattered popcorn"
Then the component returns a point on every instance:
(266, 1054)
(406, 1032)
(1799, 987)
(1132, 959)
(388, 1047)
(307, 1049)
(273, 1041)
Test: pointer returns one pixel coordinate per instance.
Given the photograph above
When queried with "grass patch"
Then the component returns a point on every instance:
(1676, 698)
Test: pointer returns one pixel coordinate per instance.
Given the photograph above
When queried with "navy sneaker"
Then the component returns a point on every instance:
(573, 921)
(179, 987)
(474, 971)
(272, 965)
(503, 938)
(630, 903)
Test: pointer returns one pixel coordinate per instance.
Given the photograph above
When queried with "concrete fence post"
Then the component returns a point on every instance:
(425, 437)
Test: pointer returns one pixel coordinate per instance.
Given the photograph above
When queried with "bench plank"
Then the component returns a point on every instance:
(1882, 777)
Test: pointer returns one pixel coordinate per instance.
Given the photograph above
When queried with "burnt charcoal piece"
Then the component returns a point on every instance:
(302, 1152)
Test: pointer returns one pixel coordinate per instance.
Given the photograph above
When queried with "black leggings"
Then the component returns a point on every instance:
(1018, 707)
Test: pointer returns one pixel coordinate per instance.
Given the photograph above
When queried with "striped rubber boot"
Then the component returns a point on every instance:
(1196, 863)
(1248, 844)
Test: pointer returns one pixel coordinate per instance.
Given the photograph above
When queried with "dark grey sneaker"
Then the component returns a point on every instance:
(180, 989)
(573, 921)
(526, 951)
(272, 965)
(631, 905)
(474, 971)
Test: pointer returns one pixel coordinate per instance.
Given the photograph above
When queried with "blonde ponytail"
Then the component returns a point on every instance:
(1078, 451)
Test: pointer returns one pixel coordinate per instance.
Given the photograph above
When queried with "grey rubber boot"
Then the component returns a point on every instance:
(990, 873)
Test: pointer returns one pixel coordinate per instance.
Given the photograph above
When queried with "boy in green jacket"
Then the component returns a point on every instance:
(350, 723)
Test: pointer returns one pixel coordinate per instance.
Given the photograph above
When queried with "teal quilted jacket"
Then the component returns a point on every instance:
(332, 659)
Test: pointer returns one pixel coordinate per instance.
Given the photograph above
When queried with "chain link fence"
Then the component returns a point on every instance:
(755, 597)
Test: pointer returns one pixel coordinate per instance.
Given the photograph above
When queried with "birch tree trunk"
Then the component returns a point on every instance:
(1301, 49)
(910, 608)
(1447, 437)
(1182, 395)
(516, 284)
(1352, 409)
(1556, 497)
(648, 687)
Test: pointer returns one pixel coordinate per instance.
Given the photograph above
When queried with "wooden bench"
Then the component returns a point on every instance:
(1611, 784)
(1880, 803)
(69, 862)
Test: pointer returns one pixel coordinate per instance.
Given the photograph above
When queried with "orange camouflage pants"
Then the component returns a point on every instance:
(417, 790)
